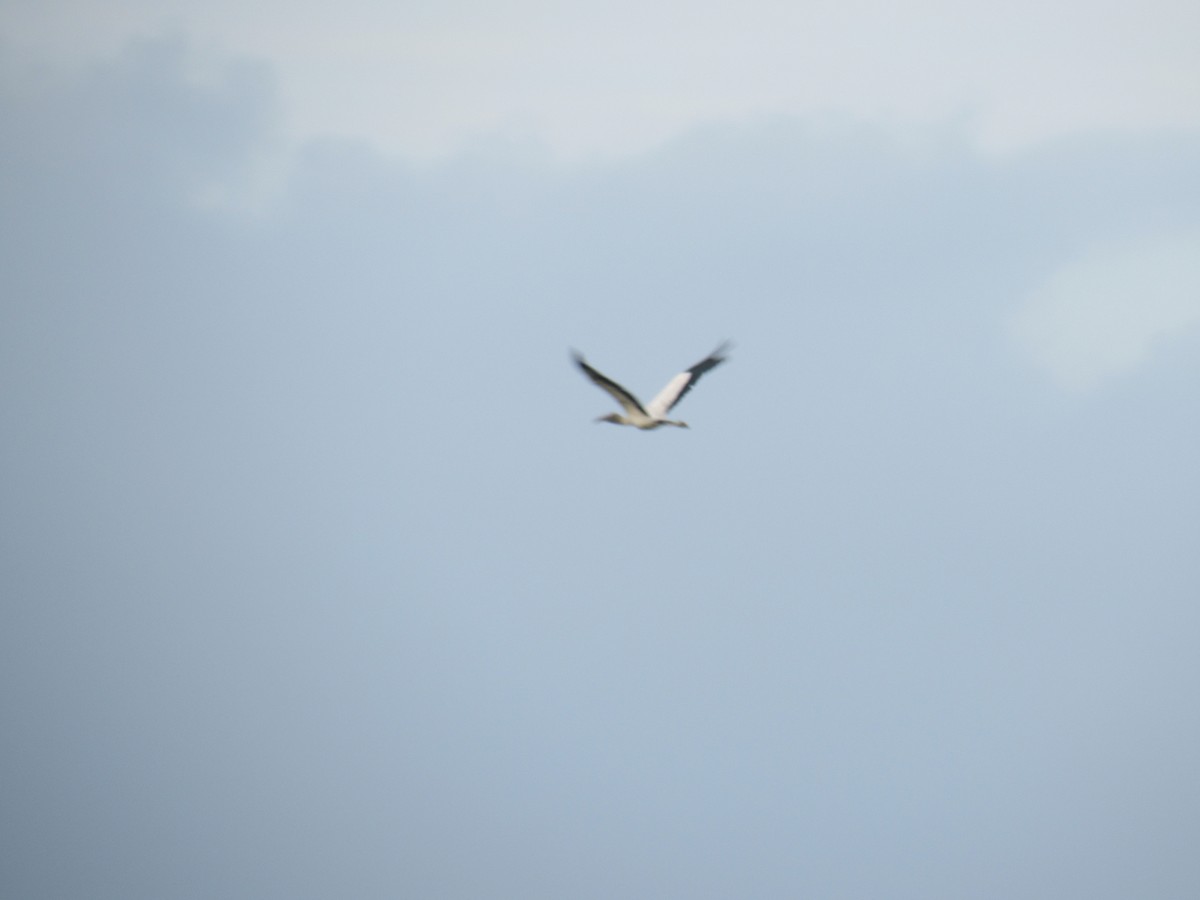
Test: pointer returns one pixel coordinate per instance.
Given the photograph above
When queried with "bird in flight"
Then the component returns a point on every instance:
(653, 414)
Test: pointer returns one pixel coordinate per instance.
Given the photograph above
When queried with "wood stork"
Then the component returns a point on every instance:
(653, 414)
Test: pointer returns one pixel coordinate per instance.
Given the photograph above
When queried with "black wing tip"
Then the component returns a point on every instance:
(713, 359)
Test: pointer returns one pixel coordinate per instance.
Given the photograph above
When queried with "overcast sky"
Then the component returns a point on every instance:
(320, 581)
(589, 81)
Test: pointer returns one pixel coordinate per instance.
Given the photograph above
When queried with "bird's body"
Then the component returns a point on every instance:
(654, 413)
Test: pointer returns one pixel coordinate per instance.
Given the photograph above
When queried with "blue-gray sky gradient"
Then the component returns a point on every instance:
(320, 581)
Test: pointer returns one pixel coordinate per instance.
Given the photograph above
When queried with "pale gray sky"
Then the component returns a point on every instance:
(320, 581)
(422, 78)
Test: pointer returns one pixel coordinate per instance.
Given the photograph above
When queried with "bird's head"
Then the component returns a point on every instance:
(615, 418)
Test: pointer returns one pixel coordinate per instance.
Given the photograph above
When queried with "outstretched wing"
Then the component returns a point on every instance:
(628, 402)
(678, 386)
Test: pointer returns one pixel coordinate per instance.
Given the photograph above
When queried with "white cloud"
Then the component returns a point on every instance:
(1102, 315)
(421, 78)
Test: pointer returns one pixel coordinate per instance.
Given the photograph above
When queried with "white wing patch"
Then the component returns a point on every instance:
(659, 406)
